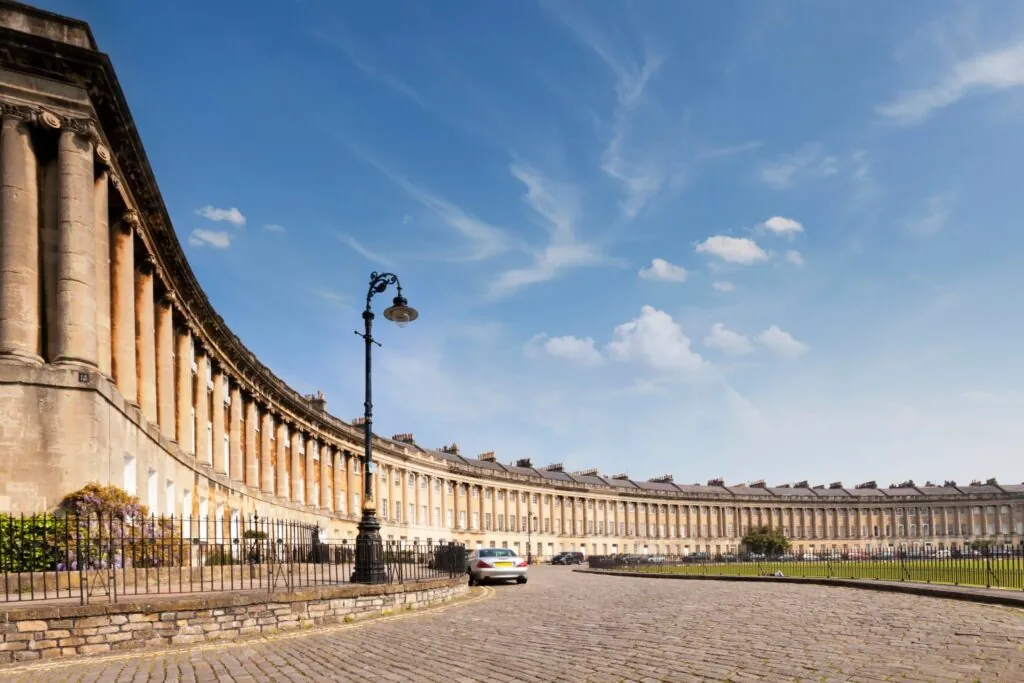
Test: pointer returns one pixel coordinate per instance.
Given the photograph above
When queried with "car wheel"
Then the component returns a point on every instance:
(521, 580)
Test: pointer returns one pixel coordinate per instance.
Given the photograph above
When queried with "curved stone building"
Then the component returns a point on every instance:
(115, 367)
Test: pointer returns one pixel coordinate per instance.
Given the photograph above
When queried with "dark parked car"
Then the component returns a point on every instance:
(567, 558)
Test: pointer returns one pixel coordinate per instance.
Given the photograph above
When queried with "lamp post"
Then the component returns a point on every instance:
(369, 565)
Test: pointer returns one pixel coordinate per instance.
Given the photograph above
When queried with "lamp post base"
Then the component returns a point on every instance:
(369, 566)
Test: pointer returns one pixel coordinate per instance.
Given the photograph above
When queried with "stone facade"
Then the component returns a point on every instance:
(114, 367)
(47, 632)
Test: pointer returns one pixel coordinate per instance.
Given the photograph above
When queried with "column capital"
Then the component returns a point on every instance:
(20, 112)
(145, 264)
(129, 221)
(169, 298)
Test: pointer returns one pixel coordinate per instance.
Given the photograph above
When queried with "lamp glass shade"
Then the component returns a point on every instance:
(400, 313)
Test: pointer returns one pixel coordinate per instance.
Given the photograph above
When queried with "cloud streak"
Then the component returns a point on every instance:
(993, 71)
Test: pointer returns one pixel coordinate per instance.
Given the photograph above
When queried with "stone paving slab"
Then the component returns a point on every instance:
(992, 596)
(566, 626)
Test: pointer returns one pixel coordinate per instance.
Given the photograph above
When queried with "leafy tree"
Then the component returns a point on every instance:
(766, 541)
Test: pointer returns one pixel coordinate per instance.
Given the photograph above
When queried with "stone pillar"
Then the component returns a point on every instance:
(353, 486)
(326, 476)
(339, 488)
(252, 463)
(101, 221)
(309, 473)
(266, 452)
(76, 251)
(296, 465)
(202, 421)
(281, 477)
(20, 321)
(183, 398)
(235, 465)
(123, 309)
(165, 395)
(219, 457)
(145, 339)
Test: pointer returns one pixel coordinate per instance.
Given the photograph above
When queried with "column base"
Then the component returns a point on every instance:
(369, 564)
(17, 356)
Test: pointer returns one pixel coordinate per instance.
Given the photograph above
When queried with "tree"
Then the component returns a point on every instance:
(766, 541)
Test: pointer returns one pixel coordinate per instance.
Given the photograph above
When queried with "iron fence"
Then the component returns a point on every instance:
(988, 567)
(91, 558)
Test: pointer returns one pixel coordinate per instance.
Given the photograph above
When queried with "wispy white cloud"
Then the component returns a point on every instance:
(732, 150)
(331, 297)
(992, 71)
(806, 163)
(727, 341)
(570, 348)
(933, 217)
(218, 239)
(557, 206)
(795, 257)
(274, 227)
(781, 343)
(371, 256)
(723, 286)
(662, 270)
(640, 166)
(482, 239)
(232, 215)
(742, 250)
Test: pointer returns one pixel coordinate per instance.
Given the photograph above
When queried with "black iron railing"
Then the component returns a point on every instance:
(988, 567)
(96, 558)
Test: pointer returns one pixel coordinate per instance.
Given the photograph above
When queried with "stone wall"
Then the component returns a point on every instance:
(51, 631)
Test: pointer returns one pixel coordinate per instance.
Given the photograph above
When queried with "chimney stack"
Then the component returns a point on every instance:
(404, 437)
(489, 456)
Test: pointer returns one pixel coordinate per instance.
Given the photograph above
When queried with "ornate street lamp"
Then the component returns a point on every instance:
(369, 565)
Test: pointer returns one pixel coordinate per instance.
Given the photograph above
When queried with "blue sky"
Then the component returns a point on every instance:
(773, 240)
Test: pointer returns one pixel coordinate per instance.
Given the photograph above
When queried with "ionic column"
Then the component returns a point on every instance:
(183, 359)
(165, 396)
(281, 476)
(235, 466)
(310, 473)
(101, 221)
(326, 477)
(353, 486)
(20, 320)
(252, 463)
(76, 251)
(339, 488)
(145, 339)
(298, 490)
(122, 304)
(266, 452)
(220, 458)
(202, 422)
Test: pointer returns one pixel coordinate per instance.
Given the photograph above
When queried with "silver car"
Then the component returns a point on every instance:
(496, 564)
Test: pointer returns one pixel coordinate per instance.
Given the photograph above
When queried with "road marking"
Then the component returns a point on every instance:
(477, 594)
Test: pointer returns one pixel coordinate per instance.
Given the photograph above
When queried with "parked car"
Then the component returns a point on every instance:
(496, 564)
(568, 558)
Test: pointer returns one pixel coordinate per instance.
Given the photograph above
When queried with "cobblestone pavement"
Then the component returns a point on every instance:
(579, 627)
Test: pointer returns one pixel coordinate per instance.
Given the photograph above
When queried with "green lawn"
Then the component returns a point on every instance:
(997, 573)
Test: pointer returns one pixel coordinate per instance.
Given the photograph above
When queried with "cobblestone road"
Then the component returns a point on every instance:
(577, 627)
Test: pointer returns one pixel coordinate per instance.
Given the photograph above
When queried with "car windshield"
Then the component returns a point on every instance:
(496, 552)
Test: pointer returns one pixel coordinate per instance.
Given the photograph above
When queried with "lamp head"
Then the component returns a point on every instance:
(400, 312)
